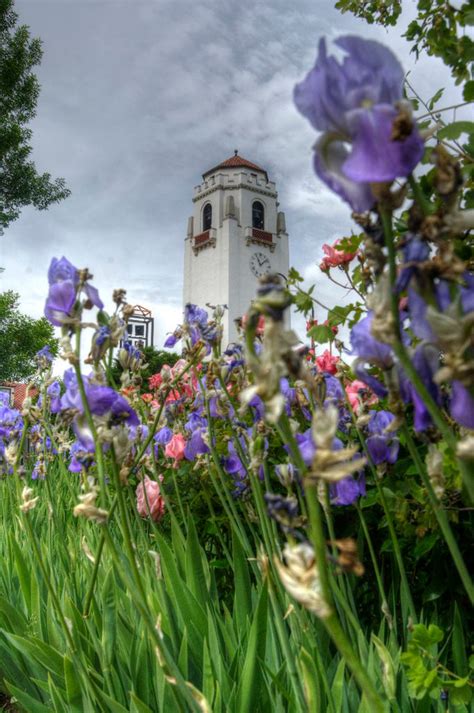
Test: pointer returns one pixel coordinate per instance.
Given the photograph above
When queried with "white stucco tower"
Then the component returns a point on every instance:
(236, 235)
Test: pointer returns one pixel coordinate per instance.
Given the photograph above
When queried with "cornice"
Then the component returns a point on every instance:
(253, 189)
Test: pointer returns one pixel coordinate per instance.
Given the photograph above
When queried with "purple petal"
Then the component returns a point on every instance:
(92, 294)
(60, 301)
(330, 155)
(60, 270)
(375, 157)
(462, 405)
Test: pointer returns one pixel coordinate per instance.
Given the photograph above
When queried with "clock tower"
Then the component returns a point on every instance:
(235, 235)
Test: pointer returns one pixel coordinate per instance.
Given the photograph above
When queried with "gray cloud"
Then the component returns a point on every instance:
(138, 98)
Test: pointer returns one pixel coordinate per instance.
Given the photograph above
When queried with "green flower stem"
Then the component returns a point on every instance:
(125, 527)
(98, 556)
(391, 527)
(331, 622)
(441, 517)
(375, 565)
(405, 361)
(226, 500)
(282, 633)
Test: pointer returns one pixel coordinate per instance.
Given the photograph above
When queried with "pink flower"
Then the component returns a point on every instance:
(334, 257)
(327, 362)
(149, 500)
(355, 400)
(260, 326)
(175, 448)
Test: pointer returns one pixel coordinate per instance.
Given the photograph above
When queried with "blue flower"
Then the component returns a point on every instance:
(382, 445)
(356, 103)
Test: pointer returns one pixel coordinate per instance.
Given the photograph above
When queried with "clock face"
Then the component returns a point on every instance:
(260, 264)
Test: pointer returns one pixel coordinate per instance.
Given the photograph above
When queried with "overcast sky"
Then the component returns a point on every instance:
(139, 98)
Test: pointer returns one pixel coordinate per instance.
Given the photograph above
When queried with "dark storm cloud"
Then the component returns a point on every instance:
(138, 99)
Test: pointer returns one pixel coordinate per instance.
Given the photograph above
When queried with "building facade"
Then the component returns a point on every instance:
(235, 235)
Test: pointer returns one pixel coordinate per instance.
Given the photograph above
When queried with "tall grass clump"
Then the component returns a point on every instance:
(262, 527)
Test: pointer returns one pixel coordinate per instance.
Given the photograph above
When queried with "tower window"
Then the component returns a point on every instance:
(207, 217)
(258, 215)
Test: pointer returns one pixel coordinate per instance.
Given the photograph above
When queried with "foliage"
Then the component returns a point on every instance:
(385, 12)
(21, 337)
(154, 360)
(268, 527)
(22, 185)
(441, 29)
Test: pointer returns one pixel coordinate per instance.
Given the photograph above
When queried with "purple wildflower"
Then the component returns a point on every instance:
(382, 444)
(356, 103)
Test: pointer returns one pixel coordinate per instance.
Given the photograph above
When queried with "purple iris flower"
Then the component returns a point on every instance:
(163, 436)
(383, 446)
(54, 393)
(99, 398)
(426, 362)
(462, 405)
(195, 315)
(306, 446)
(122, 412)
(170, 341)
(196, 445)
(366, 347)
(45, 354)
(63, 280)
(415, 251)
(356, 103)
(369, 349)
(347, 490)
(61, 270)
(60, 302)
(81, 457)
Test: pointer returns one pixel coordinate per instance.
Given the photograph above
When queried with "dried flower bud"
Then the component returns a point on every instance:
(87, 508)
(29, 502)
(300, 577)
(434, 466)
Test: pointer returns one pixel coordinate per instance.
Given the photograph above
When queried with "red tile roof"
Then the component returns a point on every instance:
(236, 161)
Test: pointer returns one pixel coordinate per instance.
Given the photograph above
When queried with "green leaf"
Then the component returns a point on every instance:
(454, 130)
(460, 696)
(27, 702)
(243, 589)
(250, 679)
(321, 334)
(426, 637)
(388, 668)
(458, 644)
(468, 91)
(312, 688)
(109, 617)
(40, 651)
(71, 680)
(137, 706)
(337, 688)
(435, 98)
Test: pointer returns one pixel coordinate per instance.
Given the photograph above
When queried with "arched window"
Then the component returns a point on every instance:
(207, 217)
(258, 215)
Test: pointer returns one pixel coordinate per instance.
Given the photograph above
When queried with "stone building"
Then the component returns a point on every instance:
(235, 235)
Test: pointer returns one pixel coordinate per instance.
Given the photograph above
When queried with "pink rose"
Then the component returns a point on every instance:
(352, 391)
(334, 257)
(175, 448)
(149, 500)
(327, 362)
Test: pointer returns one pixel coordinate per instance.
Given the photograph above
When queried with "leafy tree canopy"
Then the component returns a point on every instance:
(21, 184)
(440, 28)
(20, 338)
